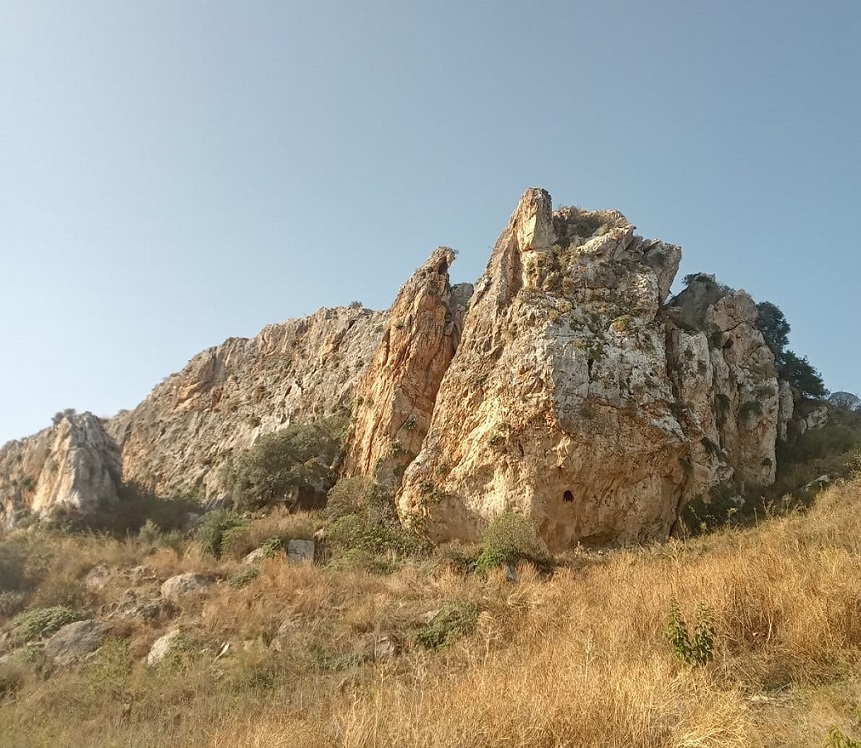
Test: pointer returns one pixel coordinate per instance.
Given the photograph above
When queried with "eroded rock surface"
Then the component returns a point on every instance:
(396, 396)
(576, 399)
(73, 464)
(178, 440)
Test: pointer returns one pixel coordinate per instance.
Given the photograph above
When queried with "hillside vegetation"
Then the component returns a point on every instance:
(744, 637)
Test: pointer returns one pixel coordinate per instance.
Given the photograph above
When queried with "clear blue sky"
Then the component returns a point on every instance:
(176, 172)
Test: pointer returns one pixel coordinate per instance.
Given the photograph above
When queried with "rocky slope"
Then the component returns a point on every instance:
(74, 463)
(177, 441)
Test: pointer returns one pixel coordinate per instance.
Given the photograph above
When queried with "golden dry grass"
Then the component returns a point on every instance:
(579, 659)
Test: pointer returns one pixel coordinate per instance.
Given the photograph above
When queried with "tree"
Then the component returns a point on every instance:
(800, 374)
(798, 371)
(772, 323)
(294, 464)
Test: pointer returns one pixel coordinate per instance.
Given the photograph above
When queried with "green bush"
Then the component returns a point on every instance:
(294, 466)
(218, 529)
(353, 532)
(13, 564)
(454, 620)
(350, 495)
(836, 739)
(510, 539)
(694, 648)
(39, 622)
(244, 576)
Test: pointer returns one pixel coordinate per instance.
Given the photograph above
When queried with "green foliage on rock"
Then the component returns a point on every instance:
(510, 539)
(294, 466)
(39, 622)
(796, 370)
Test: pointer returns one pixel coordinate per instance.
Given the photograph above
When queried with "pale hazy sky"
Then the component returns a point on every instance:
(176, 172)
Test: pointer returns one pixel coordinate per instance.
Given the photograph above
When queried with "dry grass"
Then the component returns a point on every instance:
(579, 659)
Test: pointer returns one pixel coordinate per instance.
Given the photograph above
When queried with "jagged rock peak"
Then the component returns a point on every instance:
(574, 399)
(74, 463)
(395, 398)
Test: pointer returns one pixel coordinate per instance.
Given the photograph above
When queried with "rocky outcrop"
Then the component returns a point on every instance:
(396, 396)
(727, 386)
(74, 464)
(178, 440)
(578, 399)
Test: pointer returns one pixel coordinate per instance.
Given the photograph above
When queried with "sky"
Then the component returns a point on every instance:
(177, 172)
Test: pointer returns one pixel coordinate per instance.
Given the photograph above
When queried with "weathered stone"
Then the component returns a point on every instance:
(178, 439)
(396, 396)
(134, 605)
(183, 586)
(163, 646)
(300, 551)
(75, 641)
(377, 647)
(74, 464)
(577, 400)
(98, 577)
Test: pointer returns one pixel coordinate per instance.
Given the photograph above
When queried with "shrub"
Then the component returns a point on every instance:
(836, 739)
(39, 622)
(454, 619)
(353, 532)
(750, 408)
(349, 496)
(217, 530)
(695, 648)
(292, 466)
(244, 576)
(509, 539)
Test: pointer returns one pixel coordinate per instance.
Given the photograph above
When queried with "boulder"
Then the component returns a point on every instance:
(183, 586)
(300, 551)
(163, 646)
(75, 641)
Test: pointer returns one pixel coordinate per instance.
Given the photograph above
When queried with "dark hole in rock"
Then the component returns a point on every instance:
(568, 497)
(728, 344)
(443, 267)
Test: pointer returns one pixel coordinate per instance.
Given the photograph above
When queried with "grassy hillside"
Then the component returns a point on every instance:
(390, 645)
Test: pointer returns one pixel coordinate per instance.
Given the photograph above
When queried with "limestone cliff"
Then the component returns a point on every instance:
(575, 399)
(177, 441)
(395, 398)
(73, 464)
(564, 386)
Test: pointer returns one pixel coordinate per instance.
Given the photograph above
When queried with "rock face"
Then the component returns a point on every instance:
(564, 386)
(396, 396)
(177, 441)
(75, 464)
(576, 400)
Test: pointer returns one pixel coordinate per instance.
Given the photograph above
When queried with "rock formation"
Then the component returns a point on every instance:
(575, 399)
(73, 464)
(396, 396)
(177, 441)
(565, 386)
